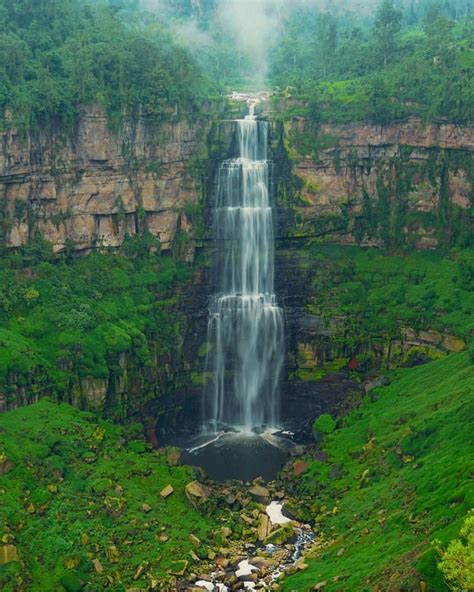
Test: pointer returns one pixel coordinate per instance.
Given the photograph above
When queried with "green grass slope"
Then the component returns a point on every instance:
(72, 491)
(396, 484)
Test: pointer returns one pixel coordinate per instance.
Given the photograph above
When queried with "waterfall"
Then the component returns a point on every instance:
(246, 329)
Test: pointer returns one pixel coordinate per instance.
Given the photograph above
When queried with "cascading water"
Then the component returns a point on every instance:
(246, 328)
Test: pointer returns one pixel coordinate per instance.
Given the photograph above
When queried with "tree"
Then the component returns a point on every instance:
(387, 26)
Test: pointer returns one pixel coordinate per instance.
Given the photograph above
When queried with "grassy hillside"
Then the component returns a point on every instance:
(75, 490)
(397, 480)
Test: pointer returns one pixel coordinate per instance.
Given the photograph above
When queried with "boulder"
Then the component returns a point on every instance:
(197, 493)
(259, 491)
(264, 527)
(166, 491)
(173, 456)
(8, 553)
(280, 535)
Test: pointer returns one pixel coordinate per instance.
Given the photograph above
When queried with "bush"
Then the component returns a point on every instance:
(457, 563)
(325, 424)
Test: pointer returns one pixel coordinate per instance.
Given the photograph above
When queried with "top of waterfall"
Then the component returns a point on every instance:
(250, 97)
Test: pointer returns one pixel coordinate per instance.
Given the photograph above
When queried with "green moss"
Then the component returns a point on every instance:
(75, 491)
(423, 421)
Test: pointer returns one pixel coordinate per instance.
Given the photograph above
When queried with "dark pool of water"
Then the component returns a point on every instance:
(242, 456)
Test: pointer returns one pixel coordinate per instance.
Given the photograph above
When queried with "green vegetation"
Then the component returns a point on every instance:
(382, 294)
(61, 321)
(416, 61)
(396, 486)
(59, 55)
(457, 562)
(80, 501)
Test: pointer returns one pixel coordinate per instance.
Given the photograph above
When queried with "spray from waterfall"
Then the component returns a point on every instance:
(246, 329)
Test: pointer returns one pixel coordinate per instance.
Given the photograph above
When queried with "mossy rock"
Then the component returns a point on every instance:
(71, 582)
(280, 535)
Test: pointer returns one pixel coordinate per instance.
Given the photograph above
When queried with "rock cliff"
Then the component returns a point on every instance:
(406, 184)
(94, 185)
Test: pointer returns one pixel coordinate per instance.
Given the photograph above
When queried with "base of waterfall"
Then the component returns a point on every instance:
(235, 453)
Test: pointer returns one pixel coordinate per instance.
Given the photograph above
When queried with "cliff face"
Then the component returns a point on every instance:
(404, 184)
(92, 187)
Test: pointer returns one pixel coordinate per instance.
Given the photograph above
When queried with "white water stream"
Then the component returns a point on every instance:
(246, 329)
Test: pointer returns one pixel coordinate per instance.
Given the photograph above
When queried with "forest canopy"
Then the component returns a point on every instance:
(395, 60)
(56, 55)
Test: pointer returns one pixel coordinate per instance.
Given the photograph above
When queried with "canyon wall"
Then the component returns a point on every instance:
(402, 186)
(408, 184)
(90, 187)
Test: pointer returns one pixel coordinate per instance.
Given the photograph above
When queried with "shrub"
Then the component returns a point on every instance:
(457, 563)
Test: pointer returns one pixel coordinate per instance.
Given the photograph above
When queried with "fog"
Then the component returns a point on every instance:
(253, 26)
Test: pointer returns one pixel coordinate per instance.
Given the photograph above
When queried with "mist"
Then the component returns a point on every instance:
(253, 27)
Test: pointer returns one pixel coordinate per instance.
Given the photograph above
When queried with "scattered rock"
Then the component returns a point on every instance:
(264, 527)
(320, 586)
(259, 491)
(335, 472)
(280, 535)
(6, 465)
(166, 491)
(146, 508)
(197, 494)
(97, 566)
(113, 554)
(8, 553)
(375, 383)
(179, 568)
(194, 540)
(226, 532)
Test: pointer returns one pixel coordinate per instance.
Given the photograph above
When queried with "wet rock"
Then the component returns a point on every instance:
(264, 527)
(280, 535)
(259, 491)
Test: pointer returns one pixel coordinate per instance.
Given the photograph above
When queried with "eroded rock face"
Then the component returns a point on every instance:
(95, 185)
(400, 184)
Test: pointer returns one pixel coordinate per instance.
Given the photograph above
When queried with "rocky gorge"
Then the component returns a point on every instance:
(403, 186)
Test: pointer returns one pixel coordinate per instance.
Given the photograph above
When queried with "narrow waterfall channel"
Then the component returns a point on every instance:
(246, 326)
(240, 437)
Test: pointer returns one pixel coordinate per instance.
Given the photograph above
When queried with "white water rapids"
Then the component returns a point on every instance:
(246, 329)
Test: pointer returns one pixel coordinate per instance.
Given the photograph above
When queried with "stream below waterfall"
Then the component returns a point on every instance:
(263, 564)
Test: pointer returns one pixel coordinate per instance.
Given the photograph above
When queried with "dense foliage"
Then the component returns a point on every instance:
(403, 63)
(382, 294)
(56, 55)
(64, 319)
